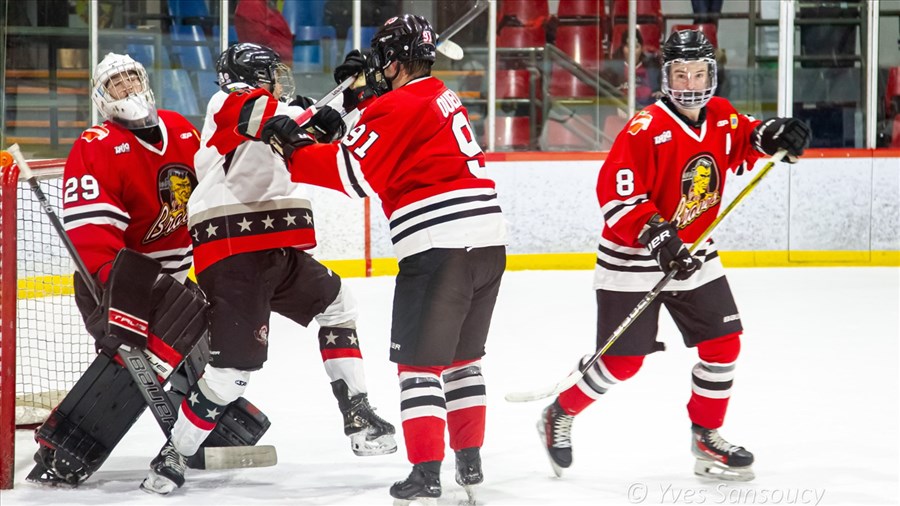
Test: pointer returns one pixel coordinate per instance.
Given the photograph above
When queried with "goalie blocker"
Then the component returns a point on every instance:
(105, 402)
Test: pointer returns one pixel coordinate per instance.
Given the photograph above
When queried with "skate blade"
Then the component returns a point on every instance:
(156, 484)
(557, 470)
(236, 457)
(717, 471)
(43, 477)
(362, 447)
(470, 496)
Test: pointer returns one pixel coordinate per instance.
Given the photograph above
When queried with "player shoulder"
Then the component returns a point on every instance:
(720, 106)
(647, 122)
(177, 125)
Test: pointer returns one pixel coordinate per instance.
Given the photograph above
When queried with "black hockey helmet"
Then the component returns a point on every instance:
(404, 38)
(689, 46)
(254, 65)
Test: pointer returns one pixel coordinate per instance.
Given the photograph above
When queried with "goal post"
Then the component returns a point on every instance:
(44, 348)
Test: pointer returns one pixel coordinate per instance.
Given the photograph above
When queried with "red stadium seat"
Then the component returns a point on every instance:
(513, 83)
(564, 84)
(645, 9)
(707, 29)
(575, 133)
(649, 32)
(580, 8)
(529, 12)
(521, 36)
(512, 132)
(583, 43)
(892, 92)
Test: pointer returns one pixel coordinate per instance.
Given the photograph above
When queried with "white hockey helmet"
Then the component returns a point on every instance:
(121, 91)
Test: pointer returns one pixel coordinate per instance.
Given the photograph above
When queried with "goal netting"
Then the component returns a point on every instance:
(40, 325)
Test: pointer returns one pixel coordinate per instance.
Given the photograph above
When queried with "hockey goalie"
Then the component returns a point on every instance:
(127, 182)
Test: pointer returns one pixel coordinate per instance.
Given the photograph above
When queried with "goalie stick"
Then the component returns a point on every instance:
(575, 376)
(135, 361)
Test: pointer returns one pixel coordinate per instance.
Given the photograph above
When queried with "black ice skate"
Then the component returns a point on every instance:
(423, 484)
(56, 468)
(369, 433)
(166, 471)
(718, 459)
(468, 470)
(555, 428)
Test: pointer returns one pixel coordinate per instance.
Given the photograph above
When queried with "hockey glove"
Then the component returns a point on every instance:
(354, 64)
(326, 125)
(284, 135)
(789, 134)
(661, 238)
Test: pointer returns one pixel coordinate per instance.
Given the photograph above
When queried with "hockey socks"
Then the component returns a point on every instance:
(342, 357)
(423, 412)
(605, 373)
(711, 381)
(465, 394)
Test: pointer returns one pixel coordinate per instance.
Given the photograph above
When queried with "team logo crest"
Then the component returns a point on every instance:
(700, 189)
(639, 122)
(98, 132)
(174, 186)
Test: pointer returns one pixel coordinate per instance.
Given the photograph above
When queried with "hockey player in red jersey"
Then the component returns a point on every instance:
(126, 185)
(414, 149)
(660, 188)
(250, 226)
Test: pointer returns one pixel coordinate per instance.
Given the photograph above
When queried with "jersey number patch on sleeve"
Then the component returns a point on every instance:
(84, 188)
(624, 182)
(355, 135)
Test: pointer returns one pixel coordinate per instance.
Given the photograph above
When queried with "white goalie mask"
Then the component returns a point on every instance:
(121, 91)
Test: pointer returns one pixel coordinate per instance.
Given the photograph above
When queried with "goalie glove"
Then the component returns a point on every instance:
(661, 238)
(789, 134)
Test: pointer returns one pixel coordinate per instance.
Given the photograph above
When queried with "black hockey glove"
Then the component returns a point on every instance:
(284, 135)
(354, 64)
(789, 134)
(327, 125)
(661, 238)
(304, 102)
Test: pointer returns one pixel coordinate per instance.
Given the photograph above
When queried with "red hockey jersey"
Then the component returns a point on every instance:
(415, 150)
(660, 164)
(122, 192)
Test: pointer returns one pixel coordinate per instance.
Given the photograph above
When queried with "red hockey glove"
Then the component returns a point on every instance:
(661, 238)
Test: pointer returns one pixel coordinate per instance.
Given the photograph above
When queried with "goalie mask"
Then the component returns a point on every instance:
(689, 69)
(403, 39)
(122, 94)
(257, 66)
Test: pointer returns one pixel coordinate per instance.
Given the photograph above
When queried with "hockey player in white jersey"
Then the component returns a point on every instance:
(250, 226)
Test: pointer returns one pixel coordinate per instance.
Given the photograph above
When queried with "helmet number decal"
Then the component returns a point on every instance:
(624, 182)
(88, 189)
(467, 143)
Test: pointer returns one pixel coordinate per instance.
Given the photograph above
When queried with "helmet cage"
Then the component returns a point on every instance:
(685, 98)
(137, 109)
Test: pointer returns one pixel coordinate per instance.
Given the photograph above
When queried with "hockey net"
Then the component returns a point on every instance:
(44, 348)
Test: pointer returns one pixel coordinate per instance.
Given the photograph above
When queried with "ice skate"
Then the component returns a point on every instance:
(56, 468)
(369, 433)
(555, 428)
(166, 471)
(423, 485)
(468, 471)
(718, 459)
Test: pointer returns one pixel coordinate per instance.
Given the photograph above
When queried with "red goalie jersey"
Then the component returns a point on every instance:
(122, 192)
(661, 164)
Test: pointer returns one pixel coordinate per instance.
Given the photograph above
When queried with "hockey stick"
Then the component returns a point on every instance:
(135, 361)
(576, 375)
(449, 48)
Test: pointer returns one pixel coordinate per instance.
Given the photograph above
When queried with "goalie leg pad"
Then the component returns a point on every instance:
(242, 424)
(89, 422)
